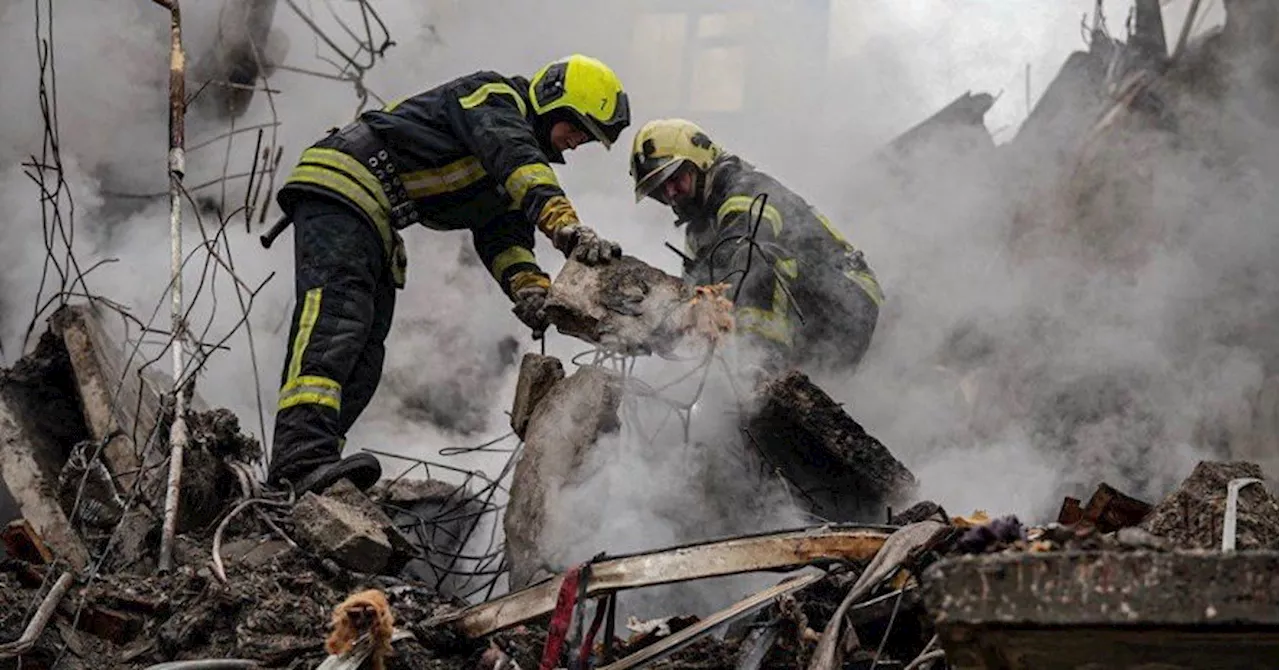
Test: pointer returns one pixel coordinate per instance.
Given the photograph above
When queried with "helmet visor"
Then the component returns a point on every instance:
(656, 172)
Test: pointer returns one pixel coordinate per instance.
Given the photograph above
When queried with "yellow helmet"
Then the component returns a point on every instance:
(588, 90)
(662, 146)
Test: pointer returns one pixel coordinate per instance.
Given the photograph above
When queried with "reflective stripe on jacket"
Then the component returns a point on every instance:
(468, 155)
(796, 260)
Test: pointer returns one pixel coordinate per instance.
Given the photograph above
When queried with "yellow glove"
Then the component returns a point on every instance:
(560, 222)
(529, 293)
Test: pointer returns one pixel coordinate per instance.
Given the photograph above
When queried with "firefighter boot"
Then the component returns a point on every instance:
(361, 469)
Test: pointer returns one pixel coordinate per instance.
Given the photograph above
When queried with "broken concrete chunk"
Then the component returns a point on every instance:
(625, 305)
(341, 532)
(538, 374)
(562, 430)
(402, 492)
(1191, 517)
(401, 548)
(110, 391)
(121, 403)
(843, 473)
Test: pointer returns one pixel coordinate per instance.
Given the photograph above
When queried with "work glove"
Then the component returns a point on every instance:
(529, 293)
(582, 244)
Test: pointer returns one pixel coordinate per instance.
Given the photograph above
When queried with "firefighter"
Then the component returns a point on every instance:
(470, 154)
(804, 294)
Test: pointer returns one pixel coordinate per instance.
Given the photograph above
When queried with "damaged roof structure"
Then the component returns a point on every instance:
(459, 569)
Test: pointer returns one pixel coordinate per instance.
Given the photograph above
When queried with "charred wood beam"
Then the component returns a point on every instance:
(781, 551)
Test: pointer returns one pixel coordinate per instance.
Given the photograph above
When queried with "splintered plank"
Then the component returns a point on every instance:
(787, 550)
(26, 471)
(676, 641)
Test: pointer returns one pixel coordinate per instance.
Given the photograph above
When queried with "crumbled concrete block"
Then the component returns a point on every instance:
(628, 305)
(538, 374)
(341, 532)
(401, 548)
(845, 473)
(563, 429)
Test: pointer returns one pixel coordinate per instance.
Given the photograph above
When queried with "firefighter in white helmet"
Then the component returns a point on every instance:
(804, 293)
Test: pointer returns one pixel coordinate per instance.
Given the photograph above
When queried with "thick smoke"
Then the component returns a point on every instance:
(1063, 313)
(1033, 342)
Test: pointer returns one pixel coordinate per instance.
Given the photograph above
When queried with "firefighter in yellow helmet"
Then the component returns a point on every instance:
(804, 293)
(475, 154)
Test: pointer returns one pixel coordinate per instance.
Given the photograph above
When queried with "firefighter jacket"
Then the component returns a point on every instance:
(797, 281)
(463, 155)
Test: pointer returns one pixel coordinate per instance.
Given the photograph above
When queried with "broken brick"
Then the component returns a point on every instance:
(1110, 510)
(109, 624)
(22, 542)
(1070, 513)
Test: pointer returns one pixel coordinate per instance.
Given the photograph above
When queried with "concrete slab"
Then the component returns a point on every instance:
(341, 532)
(121, 404)
(1186, 609)
(563, 429)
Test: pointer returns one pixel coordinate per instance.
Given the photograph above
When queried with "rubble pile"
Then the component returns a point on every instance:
(274, 609)
(888, 581)
(1192, 516)
(267, 578)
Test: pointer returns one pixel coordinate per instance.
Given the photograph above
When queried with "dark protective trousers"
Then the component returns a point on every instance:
(343, 312)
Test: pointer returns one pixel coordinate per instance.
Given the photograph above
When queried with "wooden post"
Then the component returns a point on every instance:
(177, 168)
